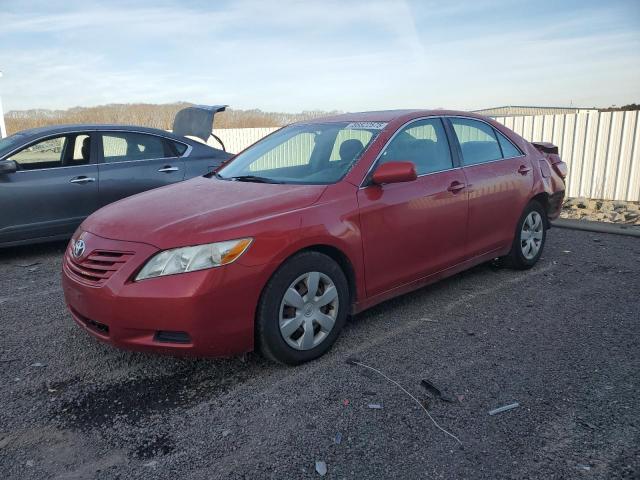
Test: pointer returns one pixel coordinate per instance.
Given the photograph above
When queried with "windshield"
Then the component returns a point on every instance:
(317, 153)
(9, 143)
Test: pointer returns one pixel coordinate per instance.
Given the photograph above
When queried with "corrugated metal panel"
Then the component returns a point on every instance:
(237, 139)
(602, 149)
(628, 141)
(633, 187)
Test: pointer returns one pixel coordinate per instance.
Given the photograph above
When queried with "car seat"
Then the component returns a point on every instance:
(349, 149)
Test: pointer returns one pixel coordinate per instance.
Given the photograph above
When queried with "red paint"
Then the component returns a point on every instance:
(497, 194)
(396, 237)
(411, 229)
(395, 172)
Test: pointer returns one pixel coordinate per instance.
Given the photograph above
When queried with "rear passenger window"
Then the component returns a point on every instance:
(178, 147)
(424, 143)
(120, 147)
(477, 141)
(509, 150)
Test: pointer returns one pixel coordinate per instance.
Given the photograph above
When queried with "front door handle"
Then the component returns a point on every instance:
(456, 186)
(523, 170)
(168, 169)
(82, 180)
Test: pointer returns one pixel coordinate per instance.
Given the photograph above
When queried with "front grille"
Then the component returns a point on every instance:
(97, 267)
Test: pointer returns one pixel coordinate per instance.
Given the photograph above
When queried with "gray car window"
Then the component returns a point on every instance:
(477, 141)
(509, 150)
(178, 148)
(424, 143)
(45, 154)
(128, 146)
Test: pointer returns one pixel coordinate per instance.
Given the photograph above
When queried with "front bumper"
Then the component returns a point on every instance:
(205, 313)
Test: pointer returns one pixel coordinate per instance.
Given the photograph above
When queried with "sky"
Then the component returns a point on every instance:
(346, 55)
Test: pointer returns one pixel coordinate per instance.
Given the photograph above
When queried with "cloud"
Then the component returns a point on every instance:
(294, 55)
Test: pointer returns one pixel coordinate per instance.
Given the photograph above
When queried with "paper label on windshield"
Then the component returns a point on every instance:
(367, 125)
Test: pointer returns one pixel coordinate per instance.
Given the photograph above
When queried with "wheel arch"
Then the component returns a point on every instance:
(343, 261)
(543, 199)
(336, 254)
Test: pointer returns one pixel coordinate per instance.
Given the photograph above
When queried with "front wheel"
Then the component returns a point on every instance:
(530, 237)
(302, 309)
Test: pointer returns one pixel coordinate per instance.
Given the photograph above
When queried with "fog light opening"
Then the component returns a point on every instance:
(164, 336)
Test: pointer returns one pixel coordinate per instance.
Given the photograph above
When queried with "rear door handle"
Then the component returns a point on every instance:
(456, 186)
(523, 170)
(82, 180)
(168, 169)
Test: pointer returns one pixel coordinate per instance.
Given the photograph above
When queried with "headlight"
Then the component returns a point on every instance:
(190, 259)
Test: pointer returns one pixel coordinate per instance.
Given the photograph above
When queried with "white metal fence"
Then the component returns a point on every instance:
(602, 149)
(237, 139)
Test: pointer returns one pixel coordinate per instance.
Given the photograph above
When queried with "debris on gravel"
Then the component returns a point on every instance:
(504, 408)
(437, 391)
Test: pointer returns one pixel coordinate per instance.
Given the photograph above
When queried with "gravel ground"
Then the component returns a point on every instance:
(562, 339)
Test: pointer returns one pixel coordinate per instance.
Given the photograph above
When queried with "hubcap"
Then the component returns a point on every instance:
(308, 310)
(531, 235)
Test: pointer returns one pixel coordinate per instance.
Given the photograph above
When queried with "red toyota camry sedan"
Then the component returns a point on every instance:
(317, 221)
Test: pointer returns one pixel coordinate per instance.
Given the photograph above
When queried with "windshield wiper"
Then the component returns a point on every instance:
(251, 178)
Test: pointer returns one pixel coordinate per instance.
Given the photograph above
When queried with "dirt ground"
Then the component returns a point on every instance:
(562, 340)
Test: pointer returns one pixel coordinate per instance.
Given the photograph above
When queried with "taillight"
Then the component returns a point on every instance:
(561, 168)
(558, 165)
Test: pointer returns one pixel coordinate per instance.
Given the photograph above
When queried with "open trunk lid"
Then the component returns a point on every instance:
(196, 121)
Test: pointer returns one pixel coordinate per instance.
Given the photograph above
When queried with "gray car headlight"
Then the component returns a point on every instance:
(190, 259)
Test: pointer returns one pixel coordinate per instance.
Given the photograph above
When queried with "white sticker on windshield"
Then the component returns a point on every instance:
(367, 125)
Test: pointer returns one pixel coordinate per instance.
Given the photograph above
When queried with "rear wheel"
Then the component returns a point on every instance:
(530, 237)
(302, 309)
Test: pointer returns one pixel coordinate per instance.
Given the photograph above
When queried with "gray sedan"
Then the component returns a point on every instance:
(52, 178)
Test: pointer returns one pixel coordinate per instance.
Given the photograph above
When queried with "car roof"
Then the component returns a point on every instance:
(62, 129)
(390, 115)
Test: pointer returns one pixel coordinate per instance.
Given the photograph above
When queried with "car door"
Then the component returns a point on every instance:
(53, 190)
(498, 184)
(132, 162)
(414, 229)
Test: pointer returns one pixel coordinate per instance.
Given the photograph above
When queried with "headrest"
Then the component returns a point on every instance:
(349, 149)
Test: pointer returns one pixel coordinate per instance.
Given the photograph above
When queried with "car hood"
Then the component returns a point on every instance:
(197, 211)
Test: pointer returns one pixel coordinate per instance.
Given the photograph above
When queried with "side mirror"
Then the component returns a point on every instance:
(8, 166)
(394, 172)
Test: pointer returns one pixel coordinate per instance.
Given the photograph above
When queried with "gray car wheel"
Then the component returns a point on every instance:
(308, 310)
(530, 237)
(302, 309)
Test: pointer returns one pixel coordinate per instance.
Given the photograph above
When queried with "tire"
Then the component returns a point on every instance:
(527, 248)
(292, 327)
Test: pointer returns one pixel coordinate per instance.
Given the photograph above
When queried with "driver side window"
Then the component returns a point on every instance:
(423, 142)
(44, 154)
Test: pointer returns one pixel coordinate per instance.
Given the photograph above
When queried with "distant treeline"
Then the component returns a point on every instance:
(148, 115)
(631, 106)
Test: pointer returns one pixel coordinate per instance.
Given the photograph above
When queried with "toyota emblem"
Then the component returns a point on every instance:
(78, 248)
